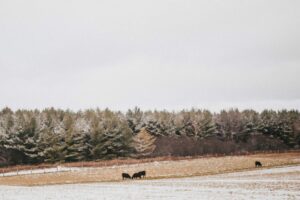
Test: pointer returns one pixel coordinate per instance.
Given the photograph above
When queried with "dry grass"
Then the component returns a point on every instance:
(156, 168)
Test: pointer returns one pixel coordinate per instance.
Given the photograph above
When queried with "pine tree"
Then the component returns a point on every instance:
(155, 128)
(69, 146)
(249, 124)
(112, 139)
(78, 147)
(51, 131)
(51, 146)
(207, 126)
(135, 119)
(23, 141)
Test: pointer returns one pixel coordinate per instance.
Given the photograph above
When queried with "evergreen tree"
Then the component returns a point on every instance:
(51, 131)
(23, 141)
(207, 126)
(135, 119)
(249, 121)
(113, 138)
(51, 147)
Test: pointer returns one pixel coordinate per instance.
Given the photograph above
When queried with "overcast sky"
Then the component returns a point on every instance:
(163, 54)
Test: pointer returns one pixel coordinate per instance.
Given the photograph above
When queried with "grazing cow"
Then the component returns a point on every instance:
(142, 174)
(136, 175)
(258, 164)
(125, 176)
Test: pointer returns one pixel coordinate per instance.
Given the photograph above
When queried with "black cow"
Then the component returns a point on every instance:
(125, 176)
(136, 175)
(142, 174)
(258, 164)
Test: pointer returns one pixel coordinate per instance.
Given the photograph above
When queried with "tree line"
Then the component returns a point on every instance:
(54, 135)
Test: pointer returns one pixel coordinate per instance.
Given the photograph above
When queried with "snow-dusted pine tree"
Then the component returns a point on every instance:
(207, 126)
(113, 137)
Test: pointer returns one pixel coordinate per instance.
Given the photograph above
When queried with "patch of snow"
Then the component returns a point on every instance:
(41, 171)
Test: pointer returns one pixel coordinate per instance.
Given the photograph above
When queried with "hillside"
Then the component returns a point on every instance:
(156, 169)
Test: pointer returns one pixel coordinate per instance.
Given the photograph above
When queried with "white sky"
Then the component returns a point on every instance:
(164, 54)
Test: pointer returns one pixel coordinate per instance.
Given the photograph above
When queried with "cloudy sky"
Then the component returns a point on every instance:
(164, 54)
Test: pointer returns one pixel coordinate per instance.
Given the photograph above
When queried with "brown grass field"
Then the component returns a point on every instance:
(165, 167)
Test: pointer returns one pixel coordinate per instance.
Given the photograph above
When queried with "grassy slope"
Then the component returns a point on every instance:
(156, 168)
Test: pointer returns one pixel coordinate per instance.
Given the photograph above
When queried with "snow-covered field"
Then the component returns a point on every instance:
(277, 183)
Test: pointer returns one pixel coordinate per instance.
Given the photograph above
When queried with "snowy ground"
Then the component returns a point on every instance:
(60, 169)
(277, 183)
(41, 171)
